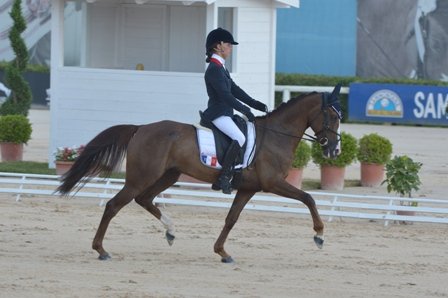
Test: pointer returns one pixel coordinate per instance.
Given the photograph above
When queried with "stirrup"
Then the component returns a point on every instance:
(223, 184)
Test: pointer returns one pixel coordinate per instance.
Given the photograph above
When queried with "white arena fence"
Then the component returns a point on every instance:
(287, 89)
(330, 205)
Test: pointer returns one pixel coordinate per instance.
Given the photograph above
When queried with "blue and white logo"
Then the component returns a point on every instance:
(384, 103)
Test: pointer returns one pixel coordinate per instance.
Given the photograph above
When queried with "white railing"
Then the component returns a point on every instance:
(198, 194)
(287, 89)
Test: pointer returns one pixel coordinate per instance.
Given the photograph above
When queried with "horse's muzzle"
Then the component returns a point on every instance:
(331, 153)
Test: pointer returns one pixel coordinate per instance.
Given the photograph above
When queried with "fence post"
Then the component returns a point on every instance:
(391, 203)
(20, 188)
(333, 208)
(286, 95)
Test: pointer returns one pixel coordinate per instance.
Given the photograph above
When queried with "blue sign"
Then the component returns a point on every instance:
(411, 104)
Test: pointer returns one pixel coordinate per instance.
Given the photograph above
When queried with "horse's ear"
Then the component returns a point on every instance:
(335, 92)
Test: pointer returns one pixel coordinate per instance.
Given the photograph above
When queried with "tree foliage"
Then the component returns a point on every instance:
(19, 102)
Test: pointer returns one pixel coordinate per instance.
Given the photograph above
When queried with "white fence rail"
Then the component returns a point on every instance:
(192, 194)
(287, 89)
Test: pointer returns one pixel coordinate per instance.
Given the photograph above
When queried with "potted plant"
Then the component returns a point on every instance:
(402, 178)
(302, 156)
(65, 157)
(332, 171)
(374, 151)
(15, 130)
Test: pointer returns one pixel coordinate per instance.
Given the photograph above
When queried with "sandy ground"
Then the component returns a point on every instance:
(45, 252)
(45, 243)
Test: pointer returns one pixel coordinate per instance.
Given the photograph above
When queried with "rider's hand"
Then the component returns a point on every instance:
(260, 106)
(250, 116)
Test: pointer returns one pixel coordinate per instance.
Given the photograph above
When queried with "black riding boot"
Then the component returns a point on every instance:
(226, 175)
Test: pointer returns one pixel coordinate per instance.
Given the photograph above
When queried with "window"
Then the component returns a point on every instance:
(159, 37)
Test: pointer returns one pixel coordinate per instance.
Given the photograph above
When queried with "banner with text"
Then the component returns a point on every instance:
(411, 104)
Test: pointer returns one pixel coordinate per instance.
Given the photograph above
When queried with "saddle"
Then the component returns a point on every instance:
(222, 141)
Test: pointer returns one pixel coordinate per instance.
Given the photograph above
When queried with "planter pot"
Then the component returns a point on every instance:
(62, 167)
(295, 177)
(11, 151)
(332, 178)
(372, 174)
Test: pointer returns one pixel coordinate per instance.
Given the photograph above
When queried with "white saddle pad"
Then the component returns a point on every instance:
(207, 148)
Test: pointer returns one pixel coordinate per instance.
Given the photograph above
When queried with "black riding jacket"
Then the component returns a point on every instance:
(224, 95)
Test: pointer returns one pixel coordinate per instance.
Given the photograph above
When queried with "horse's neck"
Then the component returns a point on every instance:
(290, 122)
(294, 119)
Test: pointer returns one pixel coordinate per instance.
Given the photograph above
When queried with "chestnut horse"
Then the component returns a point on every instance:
(158, 153)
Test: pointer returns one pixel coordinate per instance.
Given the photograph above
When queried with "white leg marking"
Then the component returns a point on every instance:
(167, 223)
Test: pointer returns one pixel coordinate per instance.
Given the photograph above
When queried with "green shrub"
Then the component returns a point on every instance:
(402, 175)
(302, 155)
(374, 148)
(15, 129)
(348, 152)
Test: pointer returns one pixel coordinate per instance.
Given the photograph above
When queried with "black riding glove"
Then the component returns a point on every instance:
(249, 116)
(260, 106)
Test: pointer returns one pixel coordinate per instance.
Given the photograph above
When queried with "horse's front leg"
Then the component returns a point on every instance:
(284, 189)
(241, 199)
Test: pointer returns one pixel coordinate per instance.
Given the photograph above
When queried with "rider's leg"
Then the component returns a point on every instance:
(227, 126)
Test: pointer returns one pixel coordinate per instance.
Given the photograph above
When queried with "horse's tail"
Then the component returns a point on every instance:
(101, 155)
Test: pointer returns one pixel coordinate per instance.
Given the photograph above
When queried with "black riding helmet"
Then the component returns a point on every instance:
(219, 35)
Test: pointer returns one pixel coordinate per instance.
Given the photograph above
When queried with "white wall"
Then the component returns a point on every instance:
(255, 60)
(90, 100)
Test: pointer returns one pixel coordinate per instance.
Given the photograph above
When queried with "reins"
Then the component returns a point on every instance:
(310, 137)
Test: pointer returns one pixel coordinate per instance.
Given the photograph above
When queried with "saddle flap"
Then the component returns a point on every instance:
(222, 141)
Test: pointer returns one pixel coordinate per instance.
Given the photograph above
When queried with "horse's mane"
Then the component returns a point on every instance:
(285, 105)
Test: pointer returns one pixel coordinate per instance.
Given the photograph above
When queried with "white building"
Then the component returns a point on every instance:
(97, 50)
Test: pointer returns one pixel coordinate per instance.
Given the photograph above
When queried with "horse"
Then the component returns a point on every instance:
(157, 153)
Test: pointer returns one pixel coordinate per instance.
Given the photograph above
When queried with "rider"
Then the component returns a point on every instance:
(224, 97)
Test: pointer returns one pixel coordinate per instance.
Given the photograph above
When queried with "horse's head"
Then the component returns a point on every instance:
(325, 123)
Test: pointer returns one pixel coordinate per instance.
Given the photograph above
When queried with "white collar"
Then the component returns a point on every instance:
(220, 59)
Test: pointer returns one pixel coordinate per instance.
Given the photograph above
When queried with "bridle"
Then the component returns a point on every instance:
(326, 129)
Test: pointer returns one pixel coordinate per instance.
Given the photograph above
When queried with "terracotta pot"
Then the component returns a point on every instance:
(372, 174)
(62, 167)
(11, 151)
(332, 178)
(295, 177)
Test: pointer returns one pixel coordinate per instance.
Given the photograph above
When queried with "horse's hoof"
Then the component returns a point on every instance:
(169, 238)
(227, 260)
(319, 240)
(104, 257)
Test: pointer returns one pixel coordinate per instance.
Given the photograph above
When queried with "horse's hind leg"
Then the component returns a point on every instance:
(145, 199)
(122, 198)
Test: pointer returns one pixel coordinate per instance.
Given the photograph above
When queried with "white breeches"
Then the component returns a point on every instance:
(228, 127)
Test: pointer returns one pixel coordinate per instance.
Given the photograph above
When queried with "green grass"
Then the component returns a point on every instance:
(29, 167)
(32, 167)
